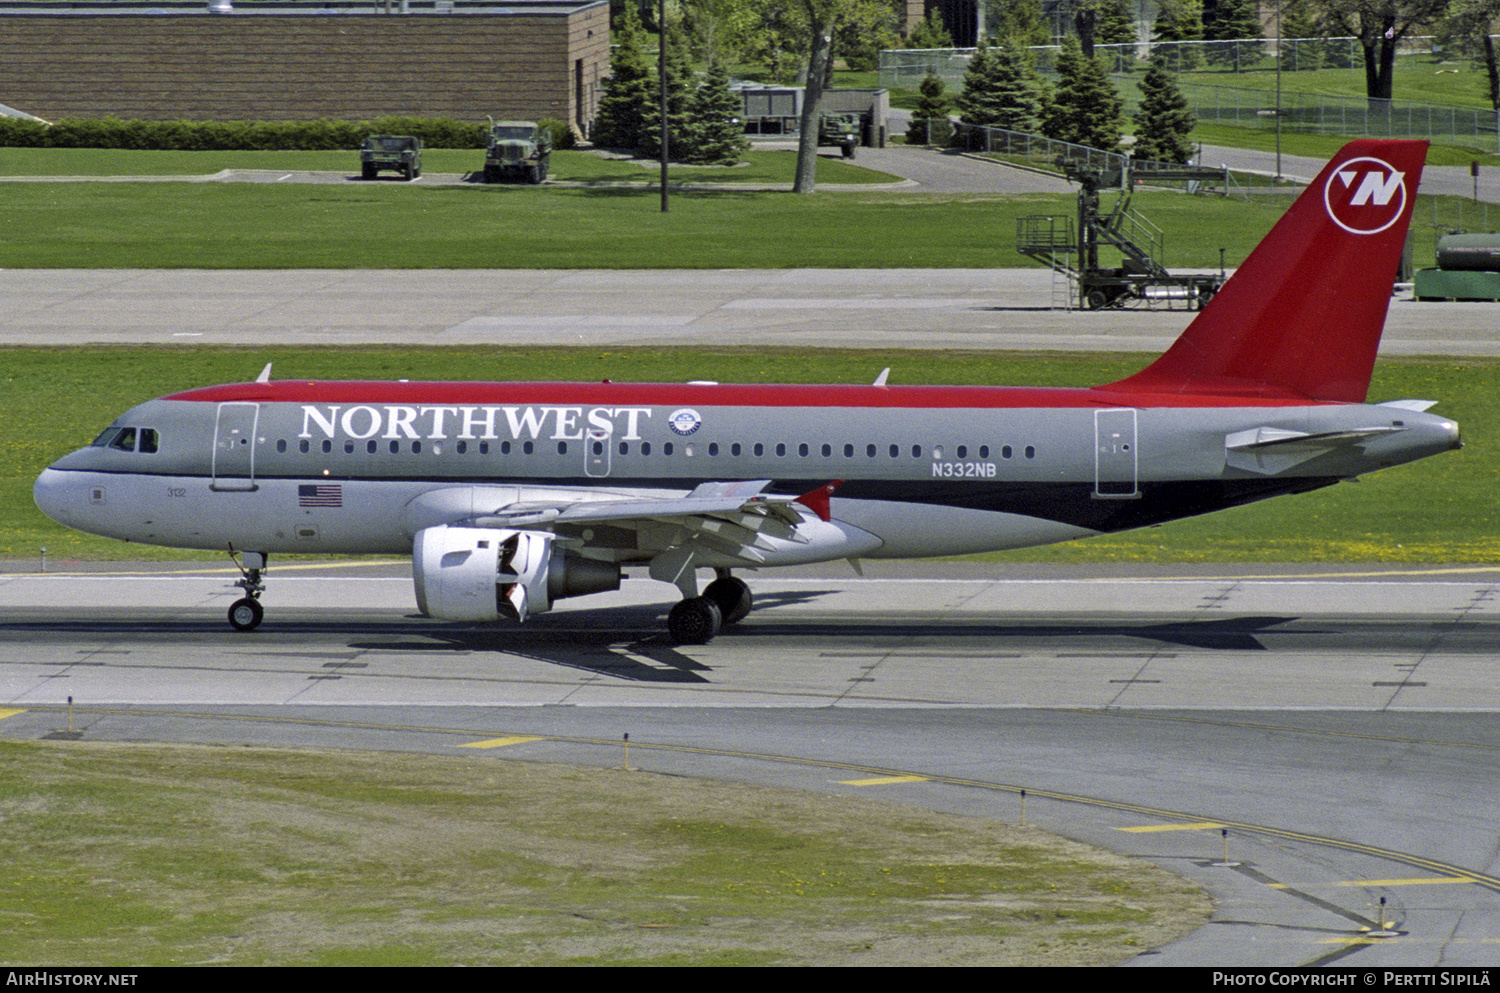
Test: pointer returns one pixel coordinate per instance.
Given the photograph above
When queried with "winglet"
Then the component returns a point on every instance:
(265, 374)
(1302, 317)
(817, 500)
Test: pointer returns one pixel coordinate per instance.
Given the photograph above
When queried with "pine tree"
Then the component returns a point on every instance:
(929, 122)
(1232, 27)
(998, 91)
(680, 86)
(1163, 122)
(716, 135)
(631, 86)
(1116, 27)
(930, 32)
(1021, 22)
(1301, 43)
(1180, 21)
(1085, 108)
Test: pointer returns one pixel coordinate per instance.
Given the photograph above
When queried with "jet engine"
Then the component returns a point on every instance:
(484, 574)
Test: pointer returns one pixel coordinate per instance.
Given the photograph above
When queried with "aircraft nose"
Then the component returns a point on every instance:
(52, 495)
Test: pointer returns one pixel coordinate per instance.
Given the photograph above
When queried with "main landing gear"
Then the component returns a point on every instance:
(245, 614)
(695, 620)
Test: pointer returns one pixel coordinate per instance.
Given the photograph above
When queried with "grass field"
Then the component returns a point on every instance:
(759, 167)
(1437, 510)
(615, 222)
(154, 856)
(213, 225)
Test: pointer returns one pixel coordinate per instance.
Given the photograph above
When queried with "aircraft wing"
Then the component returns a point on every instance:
(736, 520)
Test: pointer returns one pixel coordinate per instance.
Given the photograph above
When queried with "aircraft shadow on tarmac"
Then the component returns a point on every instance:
(628, 643)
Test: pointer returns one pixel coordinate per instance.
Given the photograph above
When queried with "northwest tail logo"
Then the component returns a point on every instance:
(1365, 195)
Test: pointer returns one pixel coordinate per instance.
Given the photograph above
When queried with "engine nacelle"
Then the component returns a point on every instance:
(484, 574)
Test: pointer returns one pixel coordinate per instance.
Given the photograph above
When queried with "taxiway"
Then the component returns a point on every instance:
(1342, 729)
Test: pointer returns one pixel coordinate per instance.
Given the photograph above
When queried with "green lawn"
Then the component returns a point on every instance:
(1437, 510)
(768, 166)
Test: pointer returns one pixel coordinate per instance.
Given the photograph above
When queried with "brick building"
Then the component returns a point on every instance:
(301, 61)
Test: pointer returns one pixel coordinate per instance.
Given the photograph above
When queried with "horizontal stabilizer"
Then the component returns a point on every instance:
(1270, 451)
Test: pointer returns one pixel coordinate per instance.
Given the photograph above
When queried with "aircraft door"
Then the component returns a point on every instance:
(596, 452)
(1116, 459)
(234, 446)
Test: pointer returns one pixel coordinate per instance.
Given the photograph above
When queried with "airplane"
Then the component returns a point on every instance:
(511, 496)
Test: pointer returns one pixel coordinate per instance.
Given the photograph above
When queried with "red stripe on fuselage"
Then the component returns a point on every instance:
(725, 395)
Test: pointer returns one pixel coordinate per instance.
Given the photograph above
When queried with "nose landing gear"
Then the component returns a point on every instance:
(245, 614)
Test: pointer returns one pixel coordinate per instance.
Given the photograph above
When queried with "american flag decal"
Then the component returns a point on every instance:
(320, 495)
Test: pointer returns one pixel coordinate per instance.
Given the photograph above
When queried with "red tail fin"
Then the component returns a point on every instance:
(1304, 314)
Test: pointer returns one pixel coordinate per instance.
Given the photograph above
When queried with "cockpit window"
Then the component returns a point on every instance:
(129, 439)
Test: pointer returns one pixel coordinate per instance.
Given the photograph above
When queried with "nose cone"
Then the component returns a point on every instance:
(54, 497)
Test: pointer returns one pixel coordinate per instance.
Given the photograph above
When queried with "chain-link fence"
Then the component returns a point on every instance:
(1245, 106)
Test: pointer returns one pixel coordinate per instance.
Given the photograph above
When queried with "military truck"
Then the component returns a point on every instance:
(522, 149)
(841, 130)
(402, 153)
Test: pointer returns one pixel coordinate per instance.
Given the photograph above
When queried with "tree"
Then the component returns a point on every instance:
(821, 18)
(930, 32)
(681, 83)
(1085, 108)
(1468, 23)
(1179, 22)
(1116, 28)
(716, 135)
(1379, 25)
(1233, 29)
(1301, 43)
(1163, 122)
(998, 90)
(1019, 20)
(929, 122)
(631, 86)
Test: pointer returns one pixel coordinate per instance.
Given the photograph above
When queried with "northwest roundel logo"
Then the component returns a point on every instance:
(684, 421)
(1365, 195)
